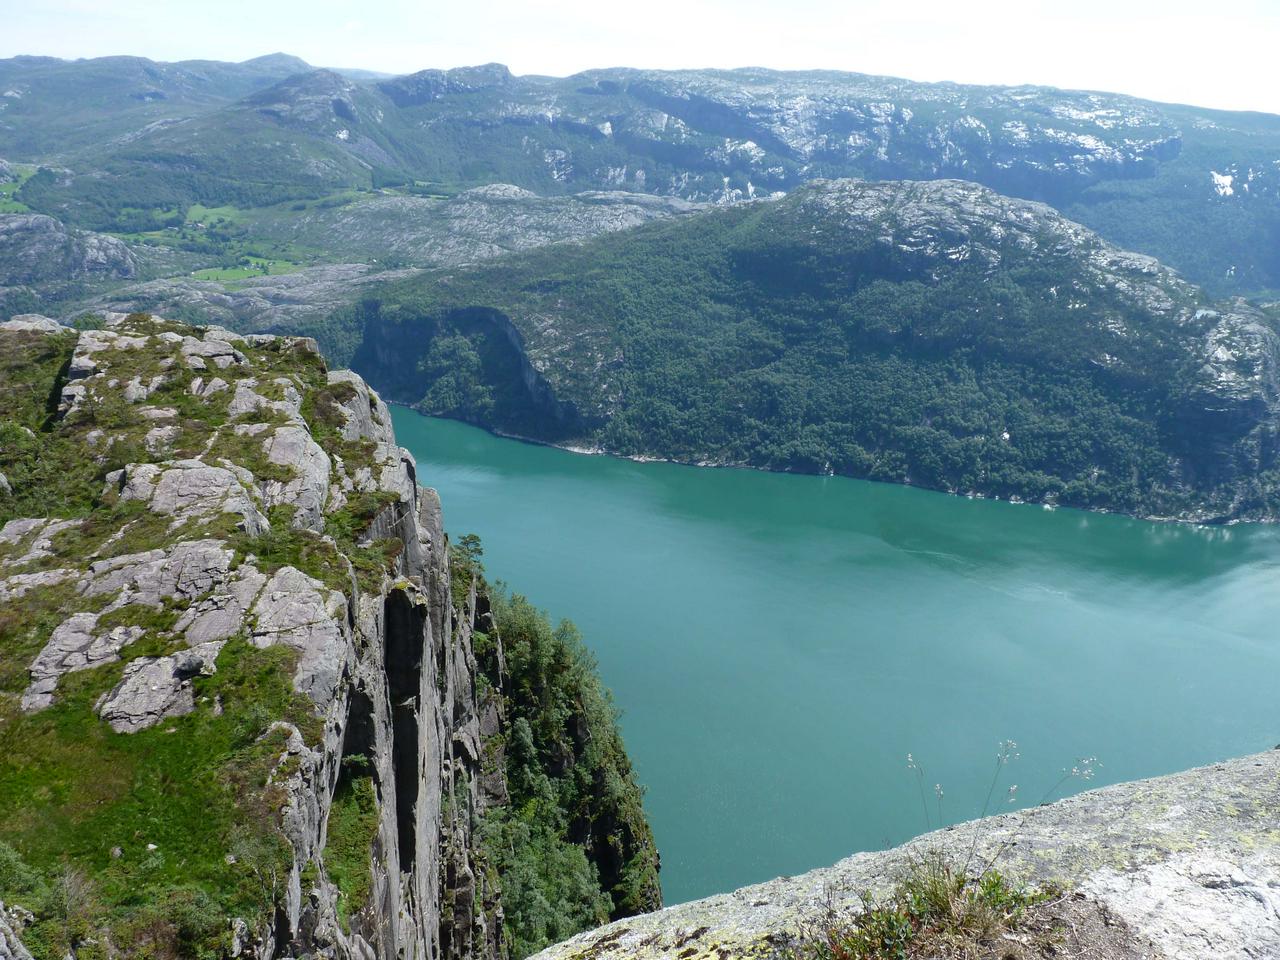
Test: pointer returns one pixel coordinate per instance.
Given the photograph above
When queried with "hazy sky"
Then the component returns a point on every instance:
(1214, 54)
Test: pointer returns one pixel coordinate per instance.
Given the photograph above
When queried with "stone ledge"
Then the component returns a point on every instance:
(1189, 862)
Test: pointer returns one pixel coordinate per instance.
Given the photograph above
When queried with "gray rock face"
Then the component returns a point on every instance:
(11, 947)
(154, 688)
(38, 534)
(366, 415)
(221, 613)
(33, 323)
(76, 644)
(1190, 863)
(296, 610)
(292, 446)
(39, 249)
(187, 571)
(187, 489)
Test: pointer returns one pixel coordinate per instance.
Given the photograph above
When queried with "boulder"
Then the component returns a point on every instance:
(292, 446)
(189, 489)
(300, 612)
(154, 688)
(33, 323)
(76, 644)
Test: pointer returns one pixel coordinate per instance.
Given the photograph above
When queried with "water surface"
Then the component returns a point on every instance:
(778, 644)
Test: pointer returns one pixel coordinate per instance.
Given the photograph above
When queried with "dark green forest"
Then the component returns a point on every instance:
(771, 336)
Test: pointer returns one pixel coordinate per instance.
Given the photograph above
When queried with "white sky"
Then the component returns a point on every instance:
(1214, 54)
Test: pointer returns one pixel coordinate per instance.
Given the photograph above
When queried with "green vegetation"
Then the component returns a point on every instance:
(778, 336)
(934, 910)
(353, 826)
(9, 190)
(148, 840)
(572, 848)
(47, 471)
(247, 268)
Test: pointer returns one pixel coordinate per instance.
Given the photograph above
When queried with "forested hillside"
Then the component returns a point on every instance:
(928, 333)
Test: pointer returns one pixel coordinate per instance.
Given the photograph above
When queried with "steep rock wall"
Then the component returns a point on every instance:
(239, 576)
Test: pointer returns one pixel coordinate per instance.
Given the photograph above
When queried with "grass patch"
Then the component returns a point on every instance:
(26, 624)
(186, 804)
(934, 911)
(353, 827)
(247, 269)
(285, 546)
(48, 475)
(8, 191)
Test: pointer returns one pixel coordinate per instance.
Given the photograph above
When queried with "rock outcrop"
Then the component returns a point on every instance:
(38, 249)
(1183, 867)
(259, 574)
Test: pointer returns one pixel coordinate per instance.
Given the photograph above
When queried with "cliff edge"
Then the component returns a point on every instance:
(242, 711)
(1184, 867)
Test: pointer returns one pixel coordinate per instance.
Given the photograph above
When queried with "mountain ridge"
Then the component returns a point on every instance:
(1196, 188)
(894, 331)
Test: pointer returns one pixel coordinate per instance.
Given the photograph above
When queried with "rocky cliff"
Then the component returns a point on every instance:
(1184, 867)
(36, 248)
(240, 707)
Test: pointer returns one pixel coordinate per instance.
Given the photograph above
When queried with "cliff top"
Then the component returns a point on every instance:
(187, 532)
(1181, 867)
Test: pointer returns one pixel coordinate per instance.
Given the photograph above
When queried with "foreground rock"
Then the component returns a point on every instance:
(238, 644)
(1184, 867)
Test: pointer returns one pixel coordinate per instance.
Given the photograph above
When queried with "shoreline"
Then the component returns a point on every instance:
(597, 451)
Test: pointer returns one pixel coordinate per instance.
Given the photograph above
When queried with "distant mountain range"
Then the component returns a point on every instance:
(129, 142)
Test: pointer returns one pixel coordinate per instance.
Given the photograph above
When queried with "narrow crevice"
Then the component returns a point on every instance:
(359, 738)
(404, 636)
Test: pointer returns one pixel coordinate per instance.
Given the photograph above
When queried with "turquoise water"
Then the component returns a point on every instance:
(778, 644)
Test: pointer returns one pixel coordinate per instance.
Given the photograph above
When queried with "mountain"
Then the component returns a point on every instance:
(253, 701)
(933, 333)
(51, 107)
(44, 262)
(359, 242)
(36, 249)
(1196, 188)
